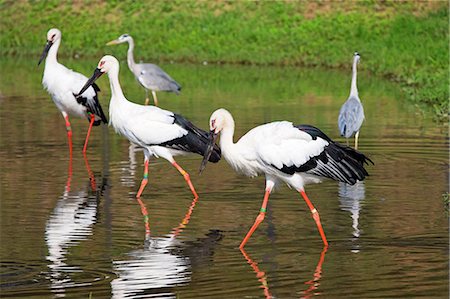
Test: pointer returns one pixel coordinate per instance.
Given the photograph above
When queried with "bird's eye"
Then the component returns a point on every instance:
(53, 36)
(213, 122)
(102, 63)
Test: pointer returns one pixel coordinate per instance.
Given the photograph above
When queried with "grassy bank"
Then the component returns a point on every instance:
(406, 42)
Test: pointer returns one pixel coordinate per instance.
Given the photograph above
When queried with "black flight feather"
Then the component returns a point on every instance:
(336, 161)
(195, 141)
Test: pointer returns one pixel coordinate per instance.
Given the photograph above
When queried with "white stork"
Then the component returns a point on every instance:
(295, 155)
(159, 132)
(62, 84)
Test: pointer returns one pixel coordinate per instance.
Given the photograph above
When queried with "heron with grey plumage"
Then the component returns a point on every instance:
(351, 115)
(149, 75)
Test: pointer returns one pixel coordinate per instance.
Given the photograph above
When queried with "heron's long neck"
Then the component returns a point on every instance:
(353, 88)
(52, 56)
(130, 55)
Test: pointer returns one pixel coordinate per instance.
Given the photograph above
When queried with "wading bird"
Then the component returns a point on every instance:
(351, 115)
(295, 155)
(149, 75)
(159, 132)
(62, 84)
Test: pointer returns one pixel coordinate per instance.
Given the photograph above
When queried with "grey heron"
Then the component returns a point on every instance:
(351, 115)
(149, 75)
(283, 152)
(62, 84)
(161, 133)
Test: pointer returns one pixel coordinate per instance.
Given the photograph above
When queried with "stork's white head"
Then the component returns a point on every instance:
(122, 39)
(107, 64)
(220, 119)
(53, 35)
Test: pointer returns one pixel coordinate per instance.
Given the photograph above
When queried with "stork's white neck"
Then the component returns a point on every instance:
(116, 90)
(228, 147)
(353, 88)
(130, 55)
(53, 53)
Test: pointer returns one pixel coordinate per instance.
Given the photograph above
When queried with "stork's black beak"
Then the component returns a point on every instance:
(209, 149)
(45, 52)
(97, 73)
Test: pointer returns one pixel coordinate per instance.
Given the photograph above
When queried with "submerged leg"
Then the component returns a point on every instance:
(69, 132)
(90, 173)
(186, 177)
(144, 179)
(155, 98)
(261, 215)
(146, 220)
(316, 217)
(91, 123)
(356, 140)
(146, 97)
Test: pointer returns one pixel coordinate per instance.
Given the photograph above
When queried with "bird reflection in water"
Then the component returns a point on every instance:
(163, 263)
(314, 283)
(351, 199)
(71, 222)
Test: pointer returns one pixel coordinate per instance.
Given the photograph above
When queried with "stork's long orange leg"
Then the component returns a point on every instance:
(316, 217)
(259, 218)
(91, 123)
(144, 179)
(186, 177)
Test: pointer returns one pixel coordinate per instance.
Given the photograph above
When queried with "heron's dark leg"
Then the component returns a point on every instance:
(155, 98)
(91, 123)
(144, 179)
(69, 132)
(356, 140)
(146, 97)
(261, 215)
(186, 177)
(316, 217)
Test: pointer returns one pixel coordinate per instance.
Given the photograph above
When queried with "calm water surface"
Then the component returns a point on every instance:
(76, 230)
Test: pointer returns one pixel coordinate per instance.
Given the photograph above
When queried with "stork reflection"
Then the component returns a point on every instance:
(70, 223)
(314, 283)
(163, 263)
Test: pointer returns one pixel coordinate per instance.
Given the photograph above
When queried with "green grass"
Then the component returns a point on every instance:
(404, 41)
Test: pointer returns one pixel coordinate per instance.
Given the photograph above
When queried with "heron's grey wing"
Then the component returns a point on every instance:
(351, 117)
(153, 77)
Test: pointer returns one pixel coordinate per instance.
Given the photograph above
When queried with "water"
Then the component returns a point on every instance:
(82, 233)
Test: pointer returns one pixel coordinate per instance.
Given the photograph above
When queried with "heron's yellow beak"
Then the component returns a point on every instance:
(113, 42)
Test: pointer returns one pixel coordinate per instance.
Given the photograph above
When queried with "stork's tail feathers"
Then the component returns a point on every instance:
(337, 161)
